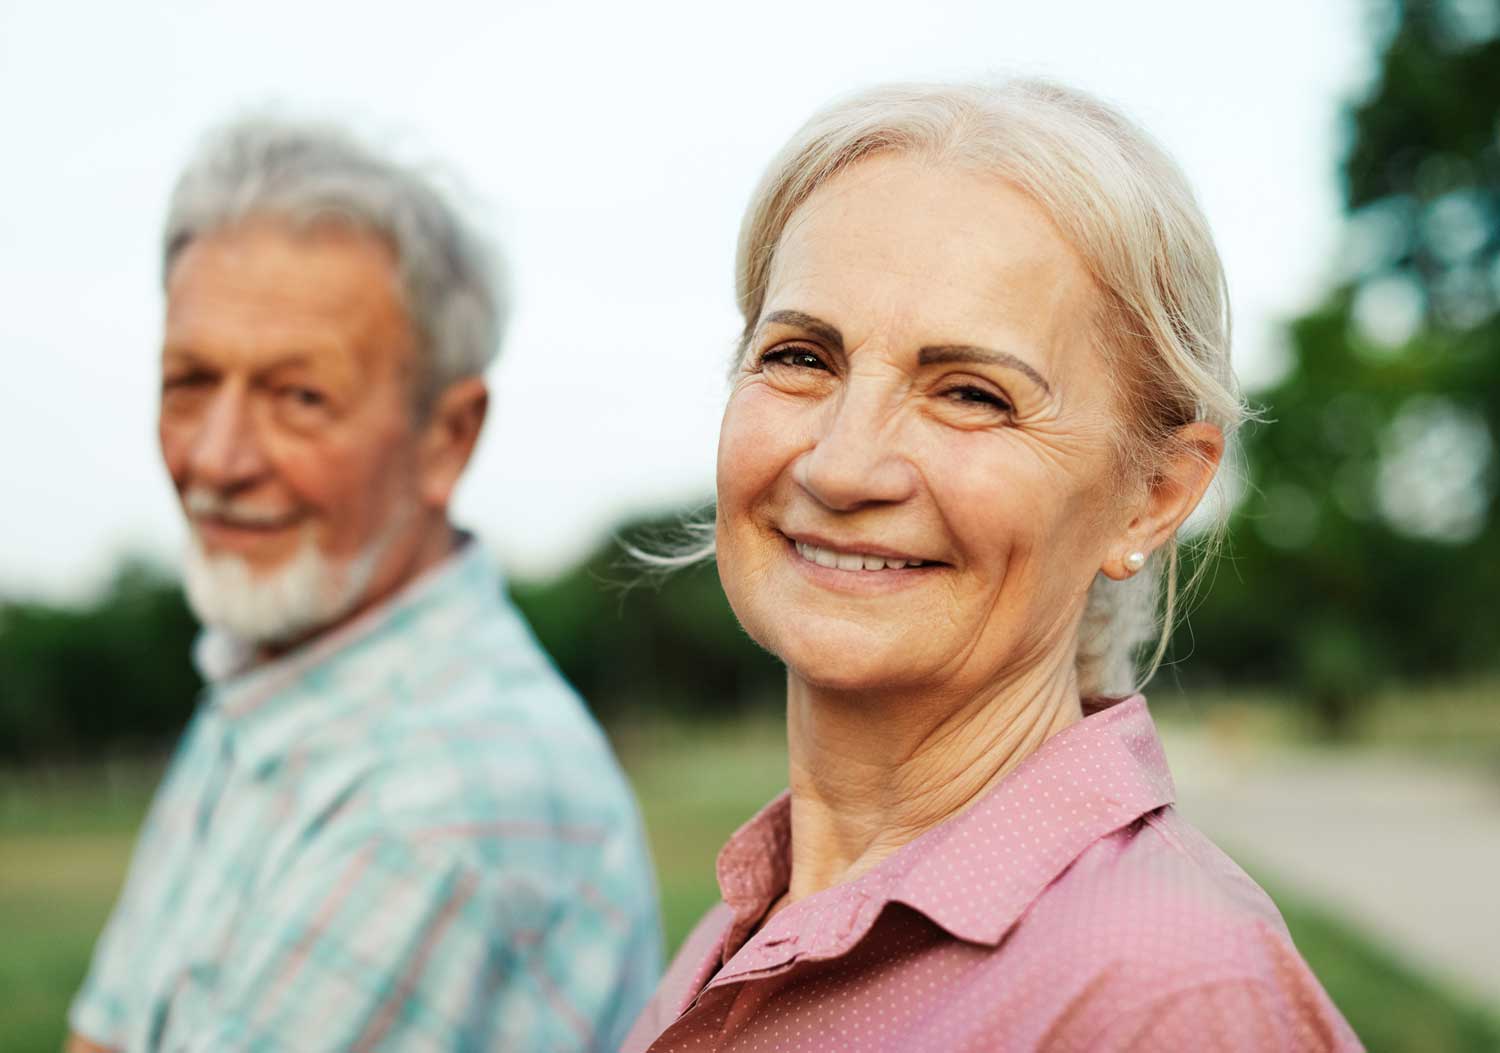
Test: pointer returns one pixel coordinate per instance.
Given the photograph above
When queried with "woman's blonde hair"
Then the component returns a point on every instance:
(1127, 210)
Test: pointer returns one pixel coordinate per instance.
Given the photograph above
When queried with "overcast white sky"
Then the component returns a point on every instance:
(610, 148)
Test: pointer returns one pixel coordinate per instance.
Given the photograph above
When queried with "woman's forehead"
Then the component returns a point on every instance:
(946, 253)
(913, 202)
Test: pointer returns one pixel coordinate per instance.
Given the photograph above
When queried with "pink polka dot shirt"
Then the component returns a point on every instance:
(1072, 908)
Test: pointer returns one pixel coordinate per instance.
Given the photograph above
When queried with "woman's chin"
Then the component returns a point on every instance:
(843, 681)
(847, 661)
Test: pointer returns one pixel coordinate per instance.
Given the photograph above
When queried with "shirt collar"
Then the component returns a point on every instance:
(270, 703)
(1092, 778)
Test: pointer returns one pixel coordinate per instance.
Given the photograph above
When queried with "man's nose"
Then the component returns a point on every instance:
(226, 453)
(857, 459)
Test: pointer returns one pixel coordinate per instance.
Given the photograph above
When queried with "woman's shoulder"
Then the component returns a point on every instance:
(1159, 893)
(1155, 907)
(1154, 927)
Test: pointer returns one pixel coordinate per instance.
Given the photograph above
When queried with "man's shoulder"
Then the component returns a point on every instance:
(462, 738)
(484, 794)
(457, 673)
(475, 738)
(491, 765)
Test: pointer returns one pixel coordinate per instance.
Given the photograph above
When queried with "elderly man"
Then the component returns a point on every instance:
(391, 825)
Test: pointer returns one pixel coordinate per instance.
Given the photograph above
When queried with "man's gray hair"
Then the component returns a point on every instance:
(309, 173)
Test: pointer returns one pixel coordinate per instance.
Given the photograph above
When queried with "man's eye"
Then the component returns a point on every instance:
(796, 357)
(185, 380)
(303, 396)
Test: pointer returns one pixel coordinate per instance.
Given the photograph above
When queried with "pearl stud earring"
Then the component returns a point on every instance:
(1135, 561)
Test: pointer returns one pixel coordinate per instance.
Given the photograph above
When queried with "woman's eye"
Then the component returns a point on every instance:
(981, 397)
(796, 357)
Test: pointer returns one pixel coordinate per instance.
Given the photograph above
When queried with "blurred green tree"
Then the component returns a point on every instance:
(1367, 547)
(112, 674)
(638, 642)
(117, 673)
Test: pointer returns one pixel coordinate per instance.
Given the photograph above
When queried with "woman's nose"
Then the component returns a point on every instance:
(857, 459)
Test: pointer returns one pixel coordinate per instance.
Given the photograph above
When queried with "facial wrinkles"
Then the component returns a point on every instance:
(977, 724)
(757, 568)
(1025, 601)
(1017, 605)
(883, 395)
(863, 253)
(1029, 298)
(256, 291)
(872, 397)
(246, 301)
(922, 517)
(872, 406)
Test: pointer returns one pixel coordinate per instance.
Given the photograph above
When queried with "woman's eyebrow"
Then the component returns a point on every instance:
(807, 323)
(927, 356)
(945, 353)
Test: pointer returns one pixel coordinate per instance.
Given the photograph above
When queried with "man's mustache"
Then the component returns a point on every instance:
(202, 502)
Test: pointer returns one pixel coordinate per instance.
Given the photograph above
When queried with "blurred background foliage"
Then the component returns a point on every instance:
(1364, 546)
(1366, 549)
(1358, 590)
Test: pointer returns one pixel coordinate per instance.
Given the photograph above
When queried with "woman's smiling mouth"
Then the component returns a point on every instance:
(852, 564)
(828, 557)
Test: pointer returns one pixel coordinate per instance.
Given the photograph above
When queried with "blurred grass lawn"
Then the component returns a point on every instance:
(1446, 723)
(65, 839)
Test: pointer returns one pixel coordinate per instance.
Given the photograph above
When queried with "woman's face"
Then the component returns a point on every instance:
(916, 478)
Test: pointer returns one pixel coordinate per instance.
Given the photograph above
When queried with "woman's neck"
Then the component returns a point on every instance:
(868, 775)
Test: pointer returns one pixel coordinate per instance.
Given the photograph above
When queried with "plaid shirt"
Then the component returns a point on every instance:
(408, 835)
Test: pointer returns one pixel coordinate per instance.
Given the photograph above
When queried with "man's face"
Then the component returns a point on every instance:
(285, 418)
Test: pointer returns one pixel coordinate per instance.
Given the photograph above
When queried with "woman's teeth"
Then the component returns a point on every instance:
(827, 557)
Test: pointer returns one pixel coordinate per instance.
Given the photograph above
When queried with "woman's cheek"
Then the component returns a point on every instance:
(999, 508)
(756, 438)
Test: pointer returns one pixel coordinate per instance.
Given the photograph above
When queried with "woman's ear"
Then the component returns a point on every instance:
(1170, 495)
(448, 438)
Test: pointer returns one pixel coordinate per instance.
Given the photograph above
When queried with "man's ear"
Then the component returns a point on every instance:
(448, 436)
(1170, 495)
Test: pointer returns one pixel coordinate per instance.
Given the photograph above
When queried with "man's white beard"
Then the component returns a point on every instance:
(309, 592)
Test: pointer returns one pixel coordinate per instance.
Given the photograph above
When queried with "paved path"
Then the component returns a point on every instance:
(1408, 851)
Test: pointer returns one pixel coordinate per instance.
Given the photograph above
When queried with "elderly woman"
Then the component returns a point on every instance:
(983, 380)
